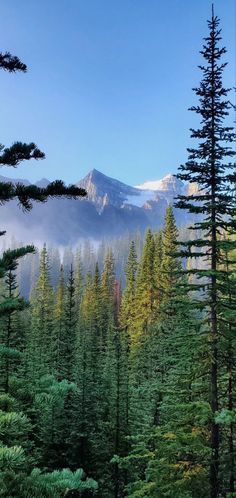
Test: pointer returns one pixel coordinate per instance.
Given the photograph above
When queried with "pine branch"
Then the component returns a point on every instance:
(26, 194)
(12, 156)
(8, 261)
(11, 63)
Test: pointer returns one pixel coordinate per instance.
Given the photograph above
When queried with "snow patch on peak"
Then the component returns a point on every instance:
(167, 183)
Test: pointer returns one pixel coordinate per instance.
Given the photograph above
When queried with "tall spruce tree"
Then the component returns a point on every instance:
(108, 288)
(145, 289)
(79, 281)
(89, 367)
(42, 342)
(158, 271)
(127, 312)
(70, 327)
(209, 166)
(11, 330)
(171, 278)
(140, 291)
(59, 325)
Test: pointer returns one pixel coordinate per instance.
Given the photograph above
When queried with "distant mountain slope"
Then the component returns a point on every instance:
(110, 208)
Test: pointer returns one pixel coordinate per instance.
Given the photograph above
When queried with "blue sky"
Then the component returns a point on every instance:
(108, 83)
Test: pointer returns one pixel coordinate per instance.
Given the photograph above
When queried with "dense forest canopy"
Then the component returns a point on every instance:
(118, 373)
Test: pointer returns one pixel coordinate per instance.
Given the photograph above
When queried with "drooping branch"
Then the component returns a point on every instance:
(12, 156)
(11, 63)
(9, 259)
(26, 194)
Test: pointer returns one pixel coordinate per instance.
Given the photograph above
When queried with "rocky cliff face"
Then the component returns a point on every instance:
(103, 190)
(110, 209)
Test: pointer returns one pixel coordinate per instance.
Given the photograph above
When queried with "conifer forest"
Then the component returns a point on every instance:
(118, 363)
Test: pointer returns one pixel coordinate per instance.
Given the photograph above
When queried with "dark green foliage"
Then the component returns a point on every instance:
(170, 278)
(42, 345)
(11, 63)
(9, 259)
(18, 152)
(145, 290)
(27, 194)
(59, 324)
(208, 165)
(88, 365)
(12, 335)
(70, 328)
(127, 313)
(125, 398)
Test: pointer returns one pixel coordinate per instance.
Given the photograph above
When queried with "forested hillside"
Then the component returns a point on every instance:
(117, 383)
(118, 373)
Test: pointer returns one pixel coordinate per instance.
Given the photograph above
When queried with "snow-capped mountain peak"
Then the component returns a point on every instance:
(168, 183)
(110, 208)
(103, 191)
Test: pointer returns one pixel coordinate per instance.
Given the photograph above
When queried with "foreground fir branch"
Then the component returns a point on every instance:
(26, 194)
(18, 477)
(18, 152)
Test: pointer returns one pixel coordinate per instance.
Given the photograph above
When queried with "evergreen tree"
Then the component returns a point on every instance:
(108, 285)
(127, 313)
(11, 331)
(139, 296)
(89, 365)
(59, 325)
(68, 261)
(116, 415)
(207, 166)
(70, 328)
(33, 262)
(171, 267)
(145, 289)
(106, 301)
(79, 281)
(55, 264)
(158, 272)
(42, 345)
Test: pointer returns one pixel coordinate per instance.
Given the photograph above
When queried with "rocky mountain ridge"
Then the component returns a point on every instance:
(103, 190)
(110, 209)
